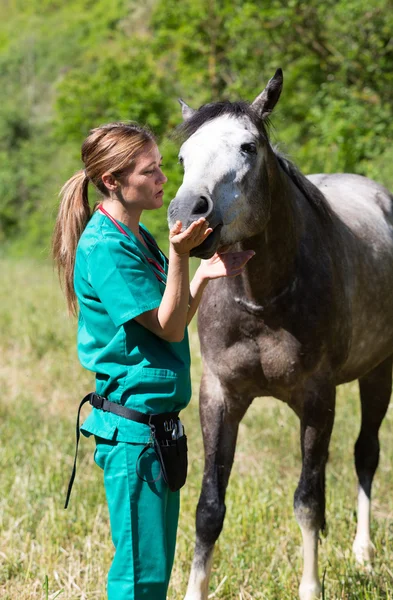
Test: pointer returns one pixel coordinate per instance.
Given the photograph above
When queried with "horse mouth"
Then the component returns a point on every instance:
(209, 246)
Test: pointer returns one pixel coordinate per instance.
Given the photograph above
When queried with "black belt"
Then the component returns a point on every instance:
(164, 421)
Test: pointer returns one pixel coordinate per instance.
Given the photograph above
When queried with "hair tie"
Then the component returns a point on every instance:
(85, 174)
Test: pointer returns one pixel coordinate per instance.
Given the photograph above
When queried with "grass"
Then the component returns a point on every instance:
(47, 552)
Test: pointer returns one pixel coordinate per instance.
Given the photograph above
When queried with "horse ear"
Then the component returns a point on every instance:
(186, 110)
(267, 100)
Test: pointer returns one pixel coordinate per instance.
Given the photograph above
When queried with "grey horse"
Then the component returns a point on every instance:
(312, 310)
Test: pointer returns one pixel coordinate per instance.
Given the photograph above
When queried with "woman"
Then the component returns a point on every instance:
(134, 308)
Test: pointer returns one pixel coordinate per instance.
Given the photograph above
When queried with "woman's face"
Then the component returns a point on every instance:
(142, 185)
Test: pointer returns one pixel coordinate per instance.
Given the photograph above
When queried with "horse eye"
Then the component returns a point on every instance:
(181, 161)
(249, 148)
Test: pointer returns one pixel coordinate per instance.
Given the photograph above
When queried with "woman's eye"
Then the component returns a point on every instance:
(249, 148)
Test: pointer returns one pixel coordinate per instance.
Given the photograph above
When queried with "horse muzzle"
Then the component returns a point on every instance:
(188, 207)
(209, 246)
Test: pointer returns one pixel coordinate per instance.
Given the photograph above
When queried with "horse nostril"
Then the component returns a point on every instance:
(201, 206)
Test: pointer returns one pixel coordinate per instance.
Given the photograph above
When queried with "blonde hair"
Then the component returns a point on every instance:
(110, 148)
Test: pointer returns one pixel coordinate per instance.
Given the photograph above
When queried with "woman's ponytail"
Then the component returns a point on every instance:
(74, 213)
(110, 148)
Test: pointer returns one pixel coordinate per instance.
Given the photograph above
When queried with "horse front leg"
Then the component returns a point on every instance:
(317, 418)
(220, 417)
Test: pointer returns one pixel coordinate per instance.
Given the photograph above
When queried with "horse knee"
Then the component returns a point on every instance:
(209, 520)
(309, 506)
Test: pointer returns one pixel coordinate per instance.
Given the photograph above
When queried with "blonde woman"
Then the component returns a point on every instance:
(134, 307)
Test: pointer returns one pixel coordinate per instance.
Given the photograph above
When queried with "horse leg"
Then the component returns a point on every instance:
(375, 390)
(317, 419)
(220, 422)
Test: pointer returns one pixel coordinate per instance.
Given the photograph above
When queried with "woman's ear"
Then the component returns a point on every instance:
(109, 181)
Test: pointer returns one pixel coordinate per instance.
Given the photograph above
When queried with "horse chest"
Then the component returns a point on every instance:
(254, 358)
(280, 356)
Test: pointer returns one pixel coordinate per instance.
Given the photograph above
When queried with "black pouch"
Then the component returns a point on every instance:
(173, 459)
(172, 454)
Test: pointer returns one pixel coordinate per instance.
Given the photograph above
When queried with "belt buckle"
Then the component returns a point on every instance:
(97, 401)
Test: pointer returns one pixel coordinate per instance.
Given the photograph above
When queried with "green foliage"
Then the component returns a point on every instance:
(67, 67)
(123, 85)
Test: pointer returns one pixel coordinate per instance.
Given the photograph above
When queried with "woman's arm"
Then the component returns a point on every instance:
(197, 286)
(228, 264)
(169, 320)
(180, 300)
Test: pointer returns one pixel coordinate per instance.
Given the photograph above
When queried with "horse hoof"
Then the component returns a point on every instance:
(310, 591)
(364, 551)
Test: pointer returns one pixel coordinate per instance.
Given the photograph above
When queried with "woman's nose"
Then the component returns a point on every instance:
(163, 178)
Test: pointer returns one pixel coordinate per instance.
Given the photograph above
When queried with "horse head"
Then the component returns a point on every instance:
(225, 157)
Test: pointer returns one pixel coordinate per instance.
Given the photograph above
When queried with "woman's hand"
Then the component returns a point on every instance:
(228, 264)
(183, 242)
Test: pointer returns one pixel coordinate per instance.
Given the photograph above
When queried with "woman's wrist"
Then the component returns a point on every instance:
(176, 254)
(200, 278)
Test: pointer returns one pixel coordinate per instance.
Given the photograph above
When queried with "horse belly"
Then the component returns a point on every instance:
(371, 343)
(371, 338)
(371, 330)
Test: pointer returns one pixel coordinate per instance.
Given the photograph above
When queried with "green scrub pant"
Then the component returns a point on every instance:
(143, 518)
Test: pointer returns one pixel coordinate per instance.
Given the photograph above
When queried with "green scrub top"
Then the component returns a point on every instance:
(114, 283)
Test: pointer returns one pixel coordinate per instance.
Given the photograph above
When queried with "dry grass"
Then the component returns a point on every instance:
(258, 555)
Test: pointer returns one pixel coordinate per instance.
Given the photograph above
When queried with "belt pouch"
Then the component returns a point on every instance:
(172, 455)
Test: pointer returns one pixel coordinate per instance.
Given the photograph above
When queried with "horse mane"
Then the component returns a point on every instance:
(213, 110)
(314, 195)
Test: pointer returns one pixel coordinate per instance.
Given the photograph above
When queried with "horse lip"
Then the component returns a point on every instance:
(224, 248)
(209, 246)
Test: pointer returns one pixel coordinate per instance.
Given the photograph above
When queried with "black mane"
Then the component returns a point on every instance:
(313, 194)
(211, 111)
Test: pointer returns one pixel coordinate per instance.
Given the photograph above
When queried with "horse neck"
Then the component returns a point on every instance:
(273, 270)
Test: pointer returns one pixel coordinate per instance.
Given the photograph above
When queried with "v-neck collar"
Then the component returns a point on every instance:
(156, 256)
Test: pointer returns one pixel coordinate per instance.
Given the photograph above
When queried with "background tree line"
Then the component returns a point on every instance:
(67, 67)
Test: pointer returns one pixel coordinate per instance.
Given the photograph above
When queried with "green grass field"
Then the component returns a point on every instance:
(47, 552)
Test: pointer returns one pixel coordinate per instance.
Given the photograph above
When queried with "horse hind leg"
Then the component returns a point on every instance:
(375, 391)
(219, 427)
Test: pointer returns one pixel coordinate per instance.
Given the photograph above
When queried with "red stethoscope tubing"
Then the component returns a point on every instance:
(151, 261)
